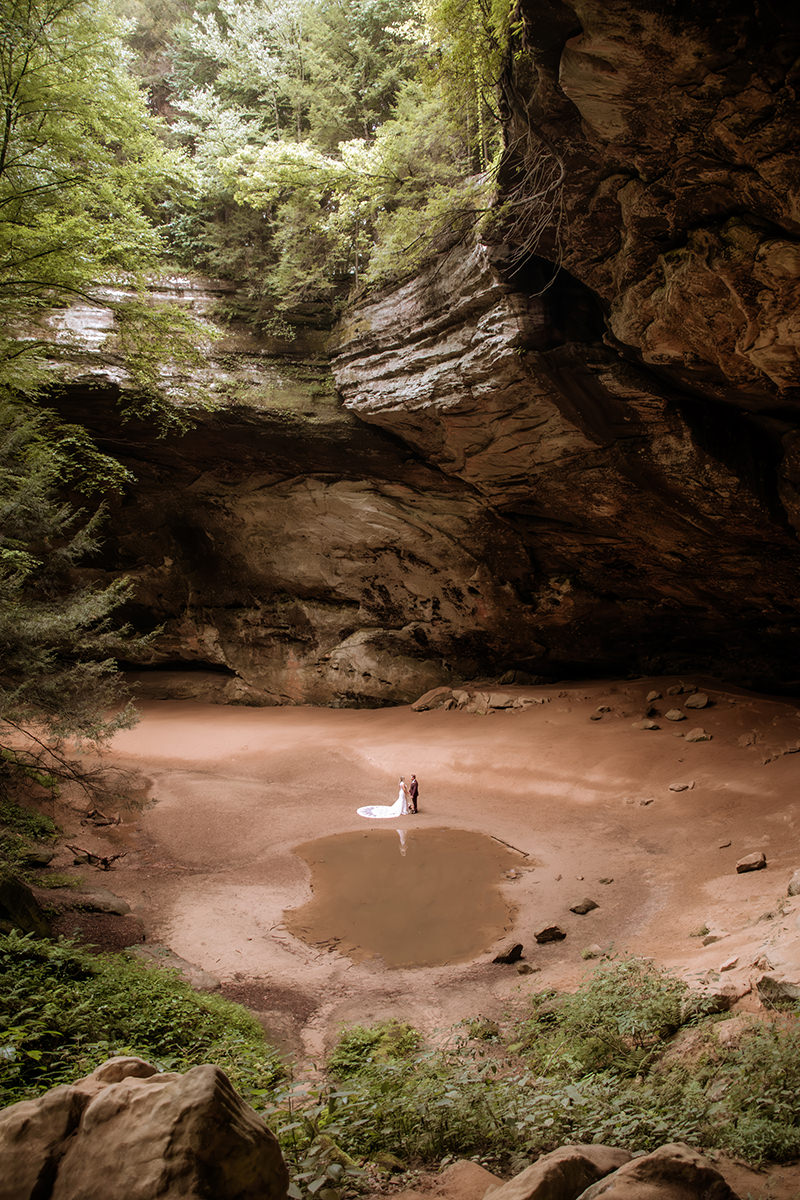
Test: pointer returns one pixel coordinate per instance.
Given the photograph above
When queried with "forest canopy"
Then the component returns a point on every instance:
(329, 142)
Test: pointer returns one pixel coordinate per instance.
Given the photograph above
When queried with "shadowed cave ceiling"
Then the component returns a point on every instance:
(571, 449)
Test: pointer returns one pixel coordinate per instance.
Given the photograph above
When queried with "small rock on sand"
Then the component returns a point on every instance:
(751, 862)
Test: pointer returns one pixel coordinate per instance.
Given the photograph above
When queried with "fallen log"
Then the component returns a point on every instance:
(103, 861)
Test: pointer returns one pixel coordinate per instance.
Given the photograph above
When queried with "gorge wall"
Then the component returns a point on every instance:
(570, 448)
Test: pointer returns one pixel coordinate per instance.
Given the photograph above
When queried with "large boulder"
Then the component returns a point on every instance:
(673, 1172)
(19, 908)
(127, 1132)
(562, 1175)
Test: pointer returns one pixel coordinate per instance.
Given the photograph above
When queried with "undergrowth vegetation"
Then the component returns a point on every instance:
(64, 1011)
(631, 1059)
(21, 829)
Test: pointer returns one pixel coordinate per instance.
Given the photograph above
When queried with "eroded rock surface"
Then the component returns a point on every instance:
(571, 449)
(632, 411)
(127, 1133)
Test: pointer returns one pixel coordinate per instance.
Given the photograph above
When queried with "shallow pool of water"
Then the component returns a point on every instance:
(412, 898)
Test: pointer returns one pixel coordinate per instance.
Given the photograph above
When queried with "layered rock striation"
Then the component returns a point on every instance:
(616, 370)
(289, 552)
(572, 448)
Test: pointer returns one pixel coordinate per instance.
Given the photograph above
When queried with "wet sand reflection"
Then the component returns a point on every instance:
(413, 898)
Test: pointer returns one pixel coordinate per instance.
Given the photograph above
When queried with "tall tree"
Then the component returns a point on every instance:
(82, 170)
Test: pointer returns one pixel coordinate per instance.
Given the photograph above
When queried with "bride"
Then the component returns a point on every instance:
(398, 809)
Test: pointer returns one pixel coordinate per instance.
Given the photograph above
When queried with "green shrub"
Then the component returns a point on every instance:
(19, 828)
(359, 1048)
(618, 1019)
(64, 1011)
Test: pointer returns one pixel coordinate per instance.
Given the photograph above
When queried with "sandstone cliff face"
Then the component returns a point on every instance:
(572, 449)
(291, 553)
(616, 373)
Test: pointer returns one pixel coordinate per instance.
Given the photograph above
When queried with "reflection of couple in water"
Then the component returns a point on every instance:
(406, 802)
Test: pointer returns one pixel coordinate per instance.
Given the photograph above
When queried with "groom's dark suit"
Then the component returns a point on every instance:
(413, 793)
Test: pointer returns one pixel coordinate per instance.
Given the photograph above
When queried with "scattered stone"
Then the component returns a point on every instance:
(502, 700)
(651, 697)
(604, 708)
(676, 1172)
(794, 885)
(584, 906)
(37, 857)
(550, 933)
(729, 964)
(674, 690)
(751, 862)
(710, 938)
(645, 724)
(698, 735)
(153, 954)
(19, 908)
(126, 1132)
(724, 845)
(566, 1172)
(747, 739)
(593, 951)
(645, 800)
(435, 698)
(698, 700)
(773, 989)
(606, 879)
(466, 1180)
(101, 900)
(524, 968)
(675, 714)
(682, 787)
(510, 955)
(596, 716)
(385, 1161)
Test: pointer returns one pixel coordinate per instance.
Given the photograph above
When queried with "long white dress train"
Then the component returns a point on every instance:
(398, 809)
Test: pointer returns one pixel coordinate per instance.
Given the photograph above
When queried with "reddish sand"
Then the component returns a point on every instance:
(211, 863)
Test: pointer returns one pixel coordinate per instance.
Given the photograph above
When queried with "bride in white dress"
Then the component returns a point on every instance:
(398, 809)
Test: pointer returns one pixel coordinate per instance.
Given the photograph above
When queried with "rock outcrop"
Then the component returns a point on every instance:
(290, 552)
(127, 1133)
(573, 448)
(616, 370)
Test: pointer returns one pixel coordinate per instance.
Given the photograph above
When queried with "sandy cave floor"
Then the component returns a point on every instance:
(222, 803)
(211, 862)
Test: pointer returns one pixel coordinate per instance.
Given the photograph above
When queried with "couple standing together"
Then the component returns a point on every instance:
(406, 802)
(407, 796)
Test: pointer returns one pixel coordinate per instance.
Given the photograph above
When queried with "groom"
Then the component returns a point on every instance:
(413, 793)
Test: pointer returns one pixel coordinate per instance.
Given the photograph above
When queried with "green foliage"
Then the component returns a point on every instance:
(83, 170)
(359, 1048)
(473, 37)
(21, 827)
(325, 151)
(624, 1012)
(63, 1012)
(57, 638)
(598, 1065)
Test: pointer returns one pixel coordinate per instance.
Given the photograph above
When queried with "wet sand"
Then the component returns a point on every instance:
(214, 860)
